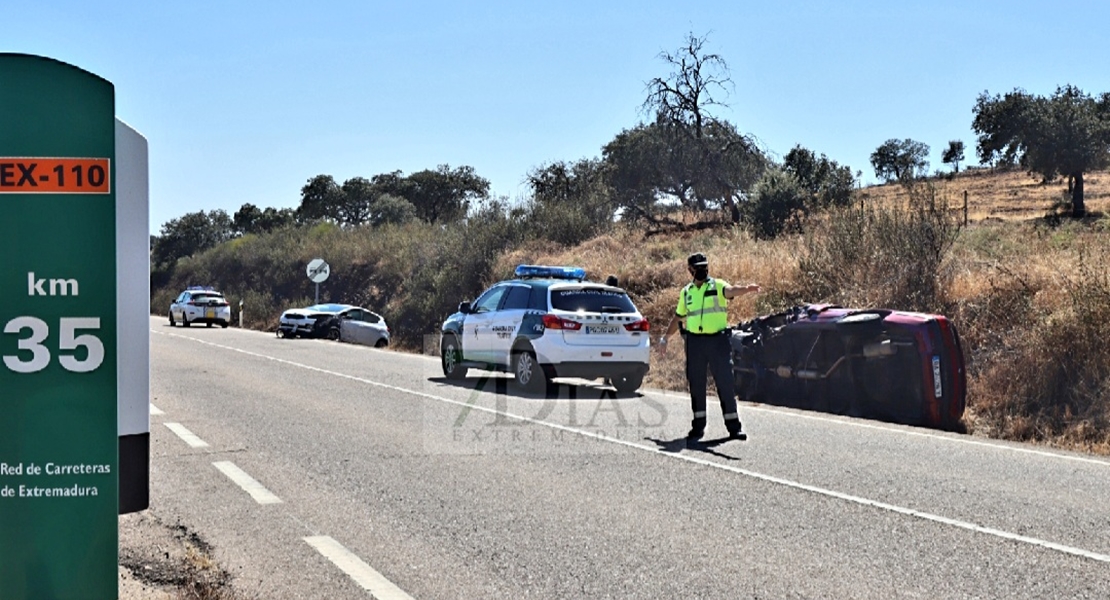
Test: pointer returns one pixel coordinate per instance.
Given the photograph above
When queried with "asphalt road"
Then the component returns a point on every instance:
(325, 470)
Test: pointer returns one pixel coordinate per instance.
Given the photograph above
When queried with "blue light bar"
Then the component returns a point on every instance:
(547, 272)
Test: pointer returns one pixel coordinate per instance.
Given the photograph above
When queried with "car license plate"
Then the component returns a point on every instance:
(604, 329)
(937, 390)
(210, 314)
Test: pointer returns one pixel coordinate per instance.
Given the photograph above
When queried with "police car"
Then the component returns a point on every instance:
(199, 304)
(549, 322)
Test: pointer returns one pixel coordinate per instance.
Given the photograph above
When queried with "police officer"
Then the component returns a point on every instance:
(703, 304)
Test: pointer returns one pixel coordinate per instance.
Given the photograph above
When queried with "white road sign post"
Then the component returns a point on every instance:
(318, 272)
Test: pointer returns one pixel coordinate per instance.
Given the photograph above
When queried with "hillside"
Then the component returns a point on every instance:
(1004, 195)
(1030, 296)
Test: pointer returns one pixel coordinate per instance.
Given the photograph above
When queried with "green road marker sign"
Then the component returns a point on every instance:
(58, 341)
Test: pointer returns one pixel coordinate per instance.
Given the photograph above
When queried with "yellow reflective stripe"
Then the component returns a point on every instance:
(705, 311)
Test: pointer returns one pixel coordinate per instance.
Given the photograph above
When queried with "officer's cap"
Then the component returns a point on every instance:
(697, 259)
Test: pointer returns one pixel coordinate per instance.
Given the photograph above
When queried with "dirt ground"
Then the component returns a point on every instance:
(164, 561)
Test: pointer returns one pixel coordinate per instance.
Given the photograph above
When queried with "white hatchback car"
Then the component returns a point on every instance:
(549, 322)
(342, 322)
(200, 305)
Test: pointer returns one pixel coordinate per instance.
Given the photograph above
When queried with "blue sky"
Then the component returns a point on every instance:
(245, 101)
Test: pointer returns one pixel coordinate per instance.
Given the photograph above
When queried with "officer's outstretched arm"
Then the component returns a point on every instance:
(733, 291)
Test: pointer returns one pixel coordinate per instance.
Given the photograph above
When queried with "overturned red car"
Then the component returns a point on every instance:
(904, 367)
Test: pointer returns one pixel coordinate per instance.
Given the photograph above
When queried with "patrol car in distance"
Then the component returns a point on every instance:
(199, 304)
(549, 322)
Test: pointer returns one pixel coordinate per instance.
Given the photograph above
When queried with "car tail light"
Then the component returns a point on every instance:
(557, 322)
(641, 325)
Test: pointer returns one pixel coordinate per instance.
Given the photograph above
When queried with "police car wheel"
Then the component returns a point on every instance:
(172, 322)
(333, 334)
(626, 384)
(185, 319)
(450, 357)
(527, 372)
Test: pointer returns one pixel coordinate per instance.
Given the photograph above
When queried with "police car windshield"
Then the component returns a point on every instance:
(598, 300)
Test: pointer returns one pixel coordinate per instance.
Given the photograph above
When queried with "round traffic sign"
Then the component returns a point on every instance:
(318, 270)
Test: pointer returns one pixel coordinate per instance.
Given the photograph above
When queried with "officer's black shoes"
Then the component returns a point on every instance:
(737, 435)
(695, 435)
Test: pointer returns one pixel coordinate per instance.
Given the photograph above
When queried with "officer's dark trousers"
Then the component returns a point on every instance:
(714, 352)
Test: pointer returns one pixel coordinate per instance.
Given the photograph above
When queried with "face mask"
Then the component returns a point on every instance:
(701, 273)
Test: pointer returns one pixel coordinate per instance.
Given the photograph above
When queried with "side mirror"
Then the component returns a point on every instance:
(464, 308)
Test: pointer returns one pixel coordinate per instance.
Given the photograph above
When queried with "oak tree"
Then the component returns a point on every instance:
(897, 160)
(1065, 134)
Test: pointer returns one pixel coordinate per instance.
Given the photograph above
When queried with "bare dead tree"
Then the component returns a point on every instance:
(685, 95)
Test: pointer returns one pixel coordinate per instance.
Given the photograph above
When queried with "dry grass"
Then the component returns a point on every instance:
(1035, 324)
(204, 579)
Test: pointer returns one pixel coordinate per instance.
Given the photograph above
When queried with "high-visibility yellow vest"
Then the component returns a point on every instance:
(704, 307)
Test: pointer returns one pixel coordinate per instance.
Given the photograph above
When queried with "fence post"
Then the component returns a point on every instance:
(965, 208)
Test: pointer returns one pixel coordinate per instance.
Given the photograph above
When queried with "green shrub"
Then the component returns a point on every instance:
(881, 256)
(777, 205)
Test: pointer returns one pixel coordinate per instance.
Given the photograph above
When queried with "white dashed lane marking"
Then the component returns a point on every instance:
(188, 436)
(154, 410)
(363, 574)
(251, 486)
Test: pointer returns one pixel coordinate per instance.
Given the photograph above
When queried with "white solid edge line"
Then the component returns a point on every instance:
(926, 434)
(187, 436)
(700, 461)
(363, 574)
(154, 410)
(249, 484)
